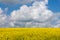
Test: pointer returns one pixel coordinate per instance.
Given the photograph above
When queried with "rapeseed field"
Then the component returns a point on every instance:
(29, 33)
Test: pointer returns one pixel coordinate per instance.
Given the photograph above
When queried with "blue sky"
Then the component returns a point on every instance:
(53, 5)
(32, 13)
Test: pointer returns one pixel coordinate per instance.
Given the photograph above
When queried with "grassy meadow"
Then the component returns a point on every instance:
(29, 33)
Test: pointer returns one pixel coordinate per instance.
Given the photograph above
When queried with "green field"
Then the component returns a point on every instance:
(29, 34)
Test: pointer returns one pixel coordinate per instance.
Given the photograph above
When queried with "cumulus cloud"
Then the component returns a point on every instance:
(37, 15)
(2, 17)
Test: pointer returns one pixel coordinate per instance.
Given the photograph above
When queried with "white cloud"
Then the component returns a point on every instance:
(1, 11)
(37, 15)
(2, 17)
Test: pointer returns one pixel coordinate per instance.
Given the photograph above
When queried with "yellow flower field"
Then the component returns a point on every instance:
(29, 33)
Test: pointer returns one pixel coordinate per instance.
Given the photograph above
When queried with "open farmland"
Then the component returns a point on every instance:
(29, 34)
